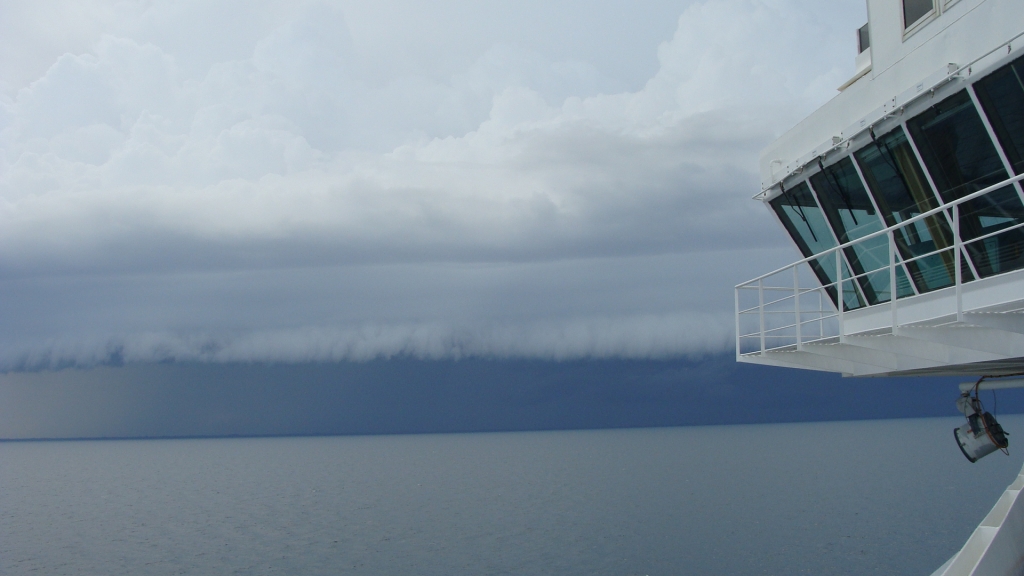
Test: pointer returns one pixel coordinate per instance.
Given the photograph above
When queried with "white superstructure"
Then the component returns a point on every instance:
(907, 182)
(904, 196)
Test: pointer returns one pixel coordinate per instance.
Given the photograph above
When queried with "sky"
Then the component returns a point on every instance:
(310, 182)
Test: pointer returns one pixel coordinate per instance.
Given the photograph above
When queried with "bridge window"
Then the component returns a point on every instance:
(805, 222)
(1002, 97)
(962, 159)
(901, 192)
(915, 11)
(845, 202)
(956, 148)
(852, 215)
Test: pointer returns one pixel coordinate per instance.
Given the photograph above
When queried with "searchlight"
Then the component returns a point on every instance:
(981, 435)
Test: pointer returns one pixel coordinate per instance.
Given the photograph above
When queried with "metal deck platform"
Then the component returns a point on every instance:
(973, 326)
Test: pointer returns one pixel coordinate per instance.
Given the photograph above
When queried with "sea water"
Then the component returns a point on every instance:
(878, 497)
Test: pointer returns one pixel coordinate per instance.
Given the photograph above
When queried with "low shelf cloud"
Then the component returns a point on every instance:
(644, 337)
(331, 181)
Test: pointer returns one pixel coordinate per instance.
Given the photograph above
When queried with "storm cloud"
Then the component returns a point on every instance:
(336, 181)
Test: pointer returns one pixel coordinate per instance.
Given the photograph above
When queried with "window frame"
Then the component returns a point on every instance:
(921, 22)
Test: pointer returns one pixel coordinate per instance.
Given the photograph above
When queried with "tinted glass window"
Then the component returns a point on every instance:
(956, 148)
(852, 215)
(899, 188)
(863, 38)
(845, 201)
(914, 10)
(996, 254)
(1002, 96)
(895, 178)
(962, 159)
(805, 222)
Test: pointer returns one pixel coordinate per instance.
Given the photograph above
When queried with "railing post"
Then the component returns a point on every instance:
(839, 290)
(892, 279)
(796, 304)
(822, 296)
(958, 274)
(760, 309)
(736, 292)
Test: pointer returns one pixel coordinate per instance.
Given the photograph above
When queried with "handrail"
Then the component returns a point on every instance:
(781, 321)
(886, 231)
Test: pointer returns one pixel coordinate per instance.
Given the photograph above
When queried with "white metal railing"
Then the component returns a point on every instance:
(789, 307)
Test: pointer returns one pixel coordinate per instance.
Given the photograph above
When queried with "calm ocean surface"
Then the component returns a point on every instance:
(878, 497)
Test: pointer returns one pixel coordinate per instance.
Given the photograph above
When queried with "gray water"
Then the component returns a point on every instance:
(878, 497)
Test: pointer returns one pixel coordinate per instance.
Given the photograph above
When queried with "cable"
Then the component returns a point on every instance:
(980, 412)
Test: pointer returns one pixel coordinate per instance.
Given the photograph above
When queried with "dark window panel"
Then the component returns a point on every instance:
(851, 292)
(881, 284)
(996, 254)
(863, 38)
(845, 201)
(962, 159)
(965, 269)
(1002, 97)
(898, 185)
(994, 211)
(934, 271)
(914, 10)
(804, 221)
(956, 148)
(866, 258)
(825, 269)
(895, 179)
(852, 215)
(903, 286)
